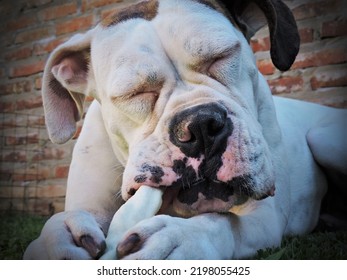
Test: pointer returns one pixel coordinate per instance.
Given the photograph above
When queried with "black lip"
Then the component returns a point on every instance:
(209, 188)
(241, 186)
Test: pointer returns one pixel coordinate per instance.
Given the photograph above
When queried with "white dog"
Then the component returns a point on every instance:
(180, 105)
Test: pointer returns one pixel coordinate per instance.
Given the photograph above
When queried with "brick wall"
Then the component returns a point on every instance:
(33, 171)
(319, 73)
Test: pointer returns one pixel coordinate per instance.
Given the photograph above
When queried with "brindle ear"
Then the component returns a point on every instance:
(65, 80)
(284, 36)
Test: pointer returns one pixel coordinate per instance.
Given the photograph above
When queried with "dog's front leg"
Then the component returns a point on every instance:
(206, 236)
(93, 184)
(95, 174)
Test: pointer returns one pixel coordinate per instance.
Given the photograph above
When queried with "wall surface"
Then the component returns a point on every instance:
(319, 73)
(33, 171)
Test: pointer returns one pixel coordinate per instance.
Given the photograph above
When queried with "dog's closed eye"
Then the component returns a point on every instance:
(219, 66)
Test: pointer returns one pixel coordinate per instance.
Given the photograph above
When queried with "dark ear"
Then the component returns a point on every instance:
(251, 15)
(65, 80)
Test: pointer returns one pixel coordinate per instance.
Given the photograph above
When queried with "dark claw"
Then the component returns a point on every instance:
(130, 245)
(95, 250)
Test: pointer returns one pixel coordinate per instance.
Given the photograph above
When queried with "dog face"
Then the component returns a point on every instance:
(181, 99)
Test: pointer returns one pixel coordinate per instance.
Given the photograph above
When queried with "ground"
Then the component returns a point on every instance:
(16, 231)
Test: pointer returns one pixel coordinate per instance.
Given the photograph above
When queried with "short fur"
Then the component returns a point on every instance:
(180, 105)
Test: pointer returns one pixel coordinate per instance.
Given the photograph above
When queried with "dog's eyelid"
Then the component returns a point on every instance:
(226, 51)
(215, 65)
(146, 93)
(137, 90)
(143, 92)
(128, 96)
(218, 56)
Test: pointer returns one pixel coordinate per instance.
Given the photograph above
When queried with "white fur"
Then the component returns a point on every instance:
(127, 126)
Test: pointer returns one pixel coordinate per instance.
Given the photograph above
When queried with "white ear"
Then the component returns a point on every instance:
(65, 80)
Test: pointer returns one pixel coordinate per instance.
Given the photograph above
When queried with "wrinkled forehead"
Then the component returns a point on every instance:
(191, 29)
(148, 9)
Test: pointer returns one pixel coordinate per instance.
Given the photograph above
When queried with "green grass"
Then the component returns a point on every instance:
(314, 246)
(17, 231)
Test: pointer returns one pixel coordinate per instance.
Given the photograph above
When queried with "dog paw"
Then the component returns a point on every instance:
(68, 235)
(165, 237)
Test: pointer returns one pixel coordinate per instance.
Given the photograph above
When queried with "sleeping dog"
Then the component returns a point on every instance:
(180, 105)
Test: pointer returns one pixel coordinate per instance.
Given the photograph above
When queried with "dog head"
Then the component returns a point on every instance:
(181, 97)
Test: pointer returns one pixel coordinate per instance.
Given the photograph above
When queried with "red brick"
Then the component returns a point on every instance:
(61, 171)
(21, 22)
(27, 69)
(92, 4)
(36, 121)
(316, 8)
(48, 154)
(286, 84)
(33, 4)
(12, 192)
(33, 35)
(306, 35)
(15, 87)
(47, 46)
(38, 83)
(31, 103)
(18, 53)
(31, 138)
(263, 43)
(55, 12)
(7, 39)
(6, 107)
(6, 9)
(14, 156)
(260, 44)
(331, 77)
(334, 28)
(5, 175)
(266, 66)
(13, 120)
(321, 57)
(33, 173)
(50, 191)
(41, 207)
(2, 73)
(75, 24)
(8, 122)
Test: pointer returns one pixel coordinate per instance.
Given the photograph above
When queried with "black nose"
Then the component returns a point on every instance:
(203, 129)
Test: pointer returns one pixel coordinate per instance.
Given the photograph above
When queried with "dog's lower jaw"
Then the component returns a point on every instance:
(208, 197)
(203, 205)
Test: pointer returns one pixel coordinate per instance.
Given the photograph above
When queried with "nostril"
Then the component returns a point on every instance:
(214, 126)
(183, 133)
(203, 129)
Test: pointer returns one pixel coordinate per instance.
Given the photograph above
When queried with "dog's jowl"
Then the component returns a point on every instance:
(180, 105)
